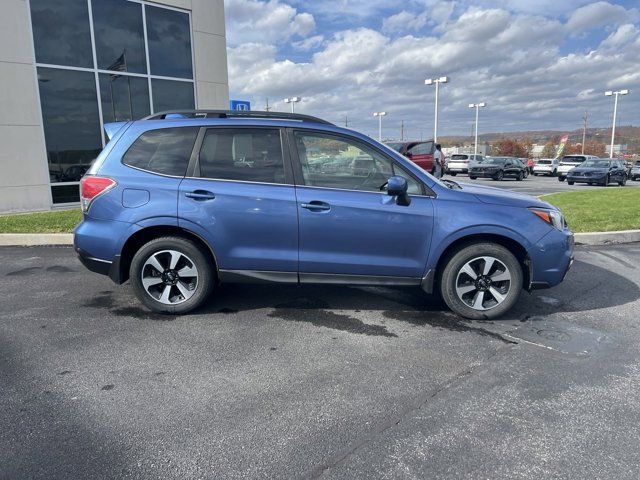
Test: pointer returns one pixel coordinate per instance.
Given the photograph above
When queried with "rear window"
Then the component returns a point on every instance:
(573, 158)
(544, 162)
(397, 146)
(423, 148)
(166, 151)
(247, 154)
(459, 157)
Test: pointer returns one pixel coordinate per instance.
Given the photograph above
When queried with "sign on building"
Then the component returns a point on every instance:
(240, 105)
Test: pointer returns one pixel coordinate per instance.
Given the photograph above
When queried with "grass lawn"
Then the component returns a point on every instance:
(599, 210)
(57, 221)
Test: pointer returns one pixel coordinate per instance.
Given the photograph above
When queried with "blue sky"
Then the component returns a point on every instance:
(537, 64)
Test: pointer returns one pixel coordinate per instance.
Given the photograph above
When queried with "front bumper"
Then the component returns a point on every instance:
(551, 259)
(583, 179)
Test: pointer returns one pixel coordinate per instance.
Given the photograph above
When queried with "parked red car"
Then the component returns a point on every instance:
(420, 153)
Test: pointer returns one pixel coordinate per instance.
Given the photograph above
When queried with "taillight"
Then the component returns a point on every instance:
(92, 187)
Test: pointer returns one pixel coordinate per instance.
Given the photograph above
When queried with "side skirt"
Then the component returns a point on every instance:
(254, 276)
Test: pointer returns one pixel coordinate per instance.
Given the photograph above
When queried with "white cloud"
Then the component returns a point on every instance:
(513, 61)
(597, 14)
(265, 21)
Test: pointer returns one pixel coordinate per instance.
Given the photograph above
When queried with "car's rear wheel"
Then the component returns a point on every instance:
(471, 177)
(561, 179)
(499, 176)
(172, 275)
(453, 174)
(570, 182)
(481, 281)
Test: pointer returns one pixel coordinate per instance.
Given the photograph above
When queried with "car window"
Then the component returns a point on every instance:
(423, 148)
(166, 151)
(332, 162)
(249, 155)
(459, 157)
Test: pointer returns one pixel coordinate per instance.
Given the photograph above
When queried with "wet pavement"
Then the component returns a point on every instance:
(309, 382)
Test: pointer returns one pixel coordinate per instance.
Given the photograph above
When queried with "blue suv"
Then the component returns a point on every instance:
(181, 202)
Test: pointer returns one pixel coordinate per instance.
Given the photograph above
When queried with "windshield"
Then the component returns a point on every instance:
(596, 164)
(494, 161)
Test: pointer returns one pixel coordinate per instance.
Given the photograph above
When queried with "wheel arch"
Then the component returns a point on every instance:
(513, 245)
(145, 235)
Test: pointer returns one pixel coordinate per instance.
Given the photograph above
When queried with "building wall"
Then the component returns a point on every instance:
(25, 183)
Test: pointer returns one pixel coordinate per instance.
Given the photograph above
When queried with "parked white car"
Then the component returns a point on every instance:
(546, 166)
(569, 162)
(460, 162)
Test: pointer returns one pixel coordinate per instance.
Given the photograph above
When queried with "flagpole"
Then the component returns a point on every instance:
(128, 84)
(113, 105)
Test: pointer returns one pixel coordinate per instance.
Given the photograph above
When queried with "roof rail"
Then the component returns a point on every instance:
(235, 114)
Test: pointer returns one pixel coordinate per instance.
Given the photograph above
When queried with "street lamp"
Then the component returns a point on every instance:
(615, 113)
(293, 101)
(379, 115)
(477, 106)
(436, 82)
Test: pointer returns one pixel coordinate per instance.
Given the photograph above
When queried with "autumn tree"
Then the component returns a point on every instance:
(509, 148)
(549, 150)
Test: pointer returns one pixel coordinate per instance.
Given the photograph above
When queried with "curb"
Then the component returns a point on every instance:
(39, 239)
(35, 239)
(607, 238)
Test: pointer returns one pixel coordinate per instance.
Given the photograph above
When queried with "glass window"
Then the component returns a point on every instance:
(61, 33)
(169, 38)
(71, 124)
(333, 162)
(165, 151)
(172, 95)
(119, 35)
(423, 148)
(123, 97)
(250, 155)
(65, 193)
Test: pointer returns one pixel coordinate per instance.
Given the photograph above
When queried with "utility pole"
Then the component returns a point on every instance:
(267, 108)
(402, 130)
(615, 113)
(346, 121)
(584, 130)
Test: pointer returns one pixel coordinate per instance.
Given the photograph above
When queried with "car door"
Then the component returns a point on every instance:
(240, 197)
(348, 225)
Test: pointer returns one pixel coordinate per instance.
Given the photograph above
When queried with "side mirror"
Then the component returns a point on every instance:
(397, 187)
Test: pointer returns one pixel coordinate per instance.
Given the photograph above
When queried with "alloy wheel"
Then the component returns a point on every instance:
(169, 277)
(483, 283)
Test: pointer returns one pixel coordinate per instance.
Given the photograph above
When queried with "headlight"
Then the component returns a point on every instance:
(552, 217)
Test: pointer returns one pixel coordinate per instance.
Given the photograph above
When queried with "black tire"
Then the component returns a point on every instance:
(471, 177)
(570, 182)
(520, 176)
(562, 179)
(499, 176)
(453, 174)
(606, 181)
(205, 280)
(451, 272)
(623, 182)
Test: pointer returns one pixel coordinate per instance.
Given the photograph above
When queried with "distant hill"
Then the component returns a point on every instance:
(624, 134)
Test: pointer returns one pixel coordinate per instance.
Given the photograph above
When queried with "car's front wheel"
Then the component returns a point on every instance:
(520, 176)
(623, 182)
(499, 176)
(561, 179)
(481, 281)
(172, 275)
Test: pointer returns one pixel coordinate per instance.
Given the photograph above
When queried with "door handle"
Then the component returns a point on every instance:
(316, 206)
(200, 195)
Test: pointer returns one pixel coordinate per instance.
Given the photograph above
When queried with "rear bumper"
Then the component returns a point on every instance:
(104, 267)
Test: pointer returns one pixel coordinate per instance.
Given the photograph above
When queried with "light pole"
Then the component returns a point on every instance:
(293, 101)
(379, 115)
(437, 82)
(615, 113)
(477, 106)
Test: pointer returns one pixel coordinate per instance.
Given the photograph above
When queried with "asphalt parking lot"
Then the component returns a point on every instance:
(533, 185)
(308, 382)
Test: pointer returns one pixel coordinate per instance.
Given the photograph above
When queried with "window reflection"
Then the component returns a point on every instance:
(71, 124)
(119, 34)
(169, 39)
(124, 98)
(172, 95)
(61, 33)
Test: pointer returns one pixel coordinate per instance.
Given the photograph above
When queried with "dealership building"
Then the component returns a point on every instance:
(67, 67)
